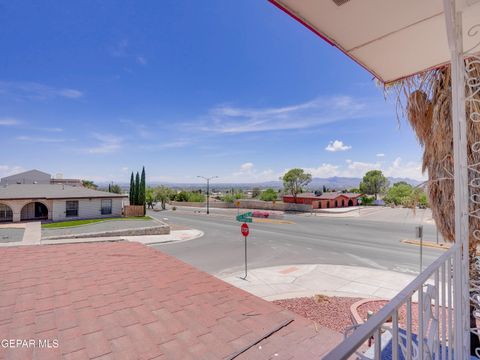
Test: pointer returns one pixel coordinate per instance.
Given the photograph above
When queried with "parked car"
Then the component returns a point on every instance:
(261, 214)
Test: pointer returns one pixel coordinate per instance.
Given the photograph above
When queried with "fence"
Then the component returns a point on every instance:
(133, 210)
(436, 319)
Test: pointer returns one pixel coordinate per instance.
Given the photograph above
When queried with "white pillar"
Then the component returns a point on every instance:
(461, 272)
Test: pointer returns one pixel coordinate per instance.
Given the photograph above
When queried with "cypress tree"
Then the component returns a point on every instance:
(132, 190)
(137, 189)
(142, 190)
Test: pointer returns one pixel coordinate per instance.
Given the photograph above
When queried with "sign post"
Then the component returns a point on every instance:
(245, 231)
(419, 235)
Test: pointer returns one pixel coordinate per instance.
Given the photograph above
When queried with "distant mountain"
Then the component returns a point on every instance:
(335, 182)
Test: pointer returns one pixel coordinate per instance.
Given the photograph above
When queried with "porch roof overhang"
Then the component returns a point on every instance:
(392, 39)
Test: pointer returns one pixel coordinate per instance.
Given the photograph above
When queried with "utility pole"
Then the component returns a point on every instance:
(208, 189)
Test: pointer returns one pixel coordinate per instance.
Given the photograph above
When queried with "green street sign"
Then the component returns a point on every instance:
(246, 217)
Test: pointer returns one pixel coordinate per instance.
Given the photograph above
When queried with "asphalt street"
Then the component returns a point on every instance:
(373, 240)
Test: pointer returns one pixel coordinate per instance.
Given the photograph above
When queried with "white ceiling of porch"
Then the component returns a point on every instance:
(390, 38)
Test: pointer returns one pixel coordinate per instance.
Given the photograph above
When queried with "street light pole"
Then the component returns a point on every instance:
(208, 190)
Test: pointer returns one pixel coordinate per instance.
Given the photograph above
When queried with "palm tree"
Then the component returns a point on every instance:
(428, 110)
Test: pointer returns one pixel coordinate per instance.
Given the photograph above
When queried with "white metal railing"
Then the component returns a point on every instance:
(429, 299)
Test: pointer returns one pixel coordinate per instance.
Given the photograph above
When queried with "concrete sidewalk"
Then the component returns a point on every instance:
(174, 236)
(290, 281)
(33, 238)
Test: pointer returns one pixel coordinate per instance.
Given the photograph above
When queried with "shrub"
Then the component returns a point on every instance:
(268, 195)
(366, 200)
(228, 198)
(195, 197)
(181, 196)
(187, 196)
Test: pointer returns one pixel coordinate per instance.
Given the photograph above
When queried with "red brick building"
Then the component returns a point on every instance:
(325, 200)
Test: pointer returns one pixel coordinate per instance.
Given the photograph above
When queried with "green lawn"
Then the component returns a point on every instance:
(73, 223)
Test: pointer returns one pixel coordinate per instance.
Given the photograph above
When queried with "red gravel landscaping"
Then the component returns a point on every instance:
(331, 312)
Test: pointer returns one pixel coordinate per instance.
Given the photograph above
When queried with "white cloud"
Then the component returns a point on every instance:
(176, 144)
(410, 169)
(380, 155)
(322, 110)
(107, 144)
(247, 166)
(323, 171)
(337, 145)
(352, 168)
(122, 49)
(70, 93)
(25, 90)
(141, 129)
(6, 170)
(248, 173)
(119, 49)
(9, 122)
(39, 139)
(141, 60)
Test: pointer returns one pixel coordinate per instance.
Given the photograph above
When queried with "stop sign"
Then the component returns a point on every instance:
(244, 229)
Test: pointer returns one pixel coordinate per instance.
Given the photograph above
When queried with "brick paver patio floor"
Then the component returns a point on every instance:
(124, 300)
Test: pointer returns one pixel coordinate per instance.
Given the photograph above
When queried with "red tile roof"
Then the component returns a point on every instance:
(128, 301)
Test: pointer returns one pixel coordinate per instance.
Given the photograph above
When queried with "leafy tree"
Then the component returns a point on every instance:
(132, 189)
(141, 190)
(196, 197)
(89, 184)
(374, 183)
(324, 189)
(163, 194)
(137, 190)
(114, 188)
(228, 198)
(149, 197)
(256, 192)
(417, 198)
(268, 195)
(294, 181)
(399, 194)
(367, 200)
(423, 199)
(182, 196)
(189, 196)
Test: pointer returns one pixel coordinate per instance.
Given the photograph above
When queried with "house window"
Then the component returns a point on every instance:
(106, 207)
(72, 208)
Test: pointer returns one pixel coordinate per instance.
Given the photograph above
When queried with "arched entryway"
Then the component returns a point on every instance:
(6, 213)
(350, 202)
(34, 211)
(336, 203)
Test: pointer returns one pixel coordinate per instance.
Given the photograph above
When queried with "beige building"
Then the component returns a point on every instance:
(23, 202)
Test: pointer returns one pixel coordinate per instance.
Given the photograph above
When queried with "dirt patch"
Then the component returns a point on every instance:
(331, 312)
(375, 306)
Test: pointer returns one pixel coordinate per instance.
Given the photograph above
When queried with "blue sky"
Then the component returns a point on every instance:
(96, 89)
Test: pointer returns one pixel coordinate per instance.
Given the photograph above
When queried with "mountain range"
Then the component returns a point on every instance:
(336, 183)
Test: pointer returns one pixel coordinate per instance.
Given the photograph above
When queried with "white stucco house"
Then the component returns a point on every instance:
(22, 202)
